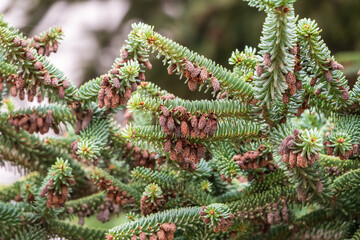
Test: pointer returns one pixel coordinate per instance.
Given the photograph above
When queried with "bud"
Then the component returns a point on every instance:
(24, 43)
(200, 152)
(292, 88)
(270, 218)
(173, 156)
(148, 65)
(65, 83)
(186, 152)
(194, 121)
(285, 98)
(142, 236)
(292, 159)
(277, 218)
(124, 53)
(161, 235)
(38, 66)
(301, 161)
(172, 68)
(259, 70)
(335, 65)
(61, 92)
(14, 90)
(267, 59)
(22, 94)
(142, 77)
(215, 84)
(170, 123)
(54, 82)
(17, 41)
(41, 51)
(162, 120)
(313, 82)
(202, 122)
(203, 74)
(116, 82)
(184, 128)
(55, 46)
(178, 146)
(285, 158)
(167, 146)
(188, 65)
(328, 76)
(191, 85)
(193, 157)
(345, 94)
(290, 78)
(165, 111)
(29, 55)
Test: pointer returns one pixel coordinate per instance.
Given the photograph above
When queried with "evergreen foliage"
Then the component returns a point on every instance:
(282, 133)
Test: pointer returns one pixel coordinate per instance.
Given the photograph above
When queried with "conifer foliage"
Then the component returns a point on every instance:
(281, 134)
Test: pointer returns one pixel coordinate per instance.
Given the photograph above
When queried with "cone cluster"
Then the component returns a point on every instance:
(84, 211)
(143, 158)
(105, 210)
(166, 232)
(29, 199)
(271, 214)
(293, 83)
(44, 45)
(56, 199)
(185, 153)
(83, 117)
(117, 196)
(348, 154)
(196, 74)
(182, 123)
(43, 77)
(254, 160)
(292, 159)
(34, 123)
(147, 207)
(332, 65)
(222, 223)
(110, 94)
(168, 97)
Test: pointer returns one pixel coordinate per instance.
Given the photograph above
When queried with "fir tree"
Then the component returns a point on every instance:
(282, 133)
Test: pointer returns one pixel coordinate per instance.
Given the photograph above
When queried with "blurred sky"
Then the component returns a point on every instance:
(78, 21)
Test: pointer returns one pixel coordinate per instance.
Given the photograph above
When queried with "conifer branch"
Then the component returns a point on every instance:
(66, 230)
(277, 63)
(181, 217)
(238, 166)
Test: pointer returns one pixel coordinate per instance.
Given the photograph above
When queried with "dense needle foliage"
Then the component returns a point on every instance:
(274, 154)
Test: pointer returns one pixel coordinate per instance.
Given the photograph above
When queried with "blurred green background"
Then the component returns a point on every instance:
(211, 27)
